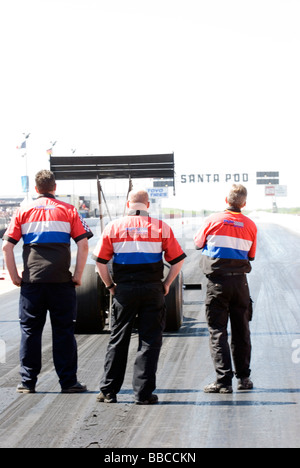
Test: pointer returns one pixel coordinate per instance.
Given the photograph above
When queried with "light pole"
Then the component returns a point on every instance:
(25, 180)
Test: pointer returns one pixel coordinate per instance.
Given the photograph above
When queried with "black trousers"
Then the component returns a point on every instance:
(147, 302)
(227, 298)
(35, 300)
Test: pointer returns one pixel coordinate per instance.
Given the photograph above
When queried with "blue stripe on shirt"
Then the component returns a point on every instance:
(47, 238)
(224, 252)
(137, 258)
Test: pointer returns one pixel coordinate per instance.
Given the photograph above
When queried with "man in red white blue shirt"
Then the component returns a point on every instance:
(228, 243)
(46, 226)
(136, 244)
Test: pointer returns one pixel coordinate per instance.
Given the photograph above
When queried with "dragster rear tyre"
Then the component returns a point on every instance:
(90, 303)
(174, 305)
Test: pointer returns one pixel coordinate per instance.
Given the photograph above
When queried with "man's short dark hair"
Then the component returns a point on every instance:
(45, 181)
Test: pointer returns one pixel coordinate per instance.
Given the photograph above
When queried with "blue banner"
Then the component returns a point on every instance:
(25, 183)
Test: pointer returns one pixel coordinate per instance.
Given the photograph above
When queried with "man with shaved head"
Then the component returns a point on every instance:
(138, 196)
(136, 244)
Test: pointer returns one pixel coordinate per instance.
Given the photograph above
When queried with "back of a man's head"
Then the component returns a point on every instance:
(45, 181)
(138, 196)
(237, 196)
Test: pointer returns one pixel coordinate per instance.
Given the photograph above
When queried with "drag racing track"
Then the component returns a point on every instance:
(186, 417)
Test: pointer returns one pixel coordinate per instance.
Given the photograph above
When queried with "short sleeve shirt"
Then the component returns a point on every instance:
(137, 245)
(228, 241)
(47, 226)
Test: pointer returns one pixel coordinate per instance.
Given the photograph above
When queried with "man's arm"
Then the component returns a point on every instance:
(173, 273)
(9, 258)
(82, 254)
(105, 275)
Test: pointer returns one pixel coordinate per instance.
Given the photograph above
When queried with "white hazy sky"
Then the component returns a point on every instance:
(216, 82)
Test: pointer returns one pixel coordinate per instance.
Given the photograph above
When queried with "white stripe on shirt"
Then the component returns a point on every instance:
(46, 226)
(229, 242)
(137, 246)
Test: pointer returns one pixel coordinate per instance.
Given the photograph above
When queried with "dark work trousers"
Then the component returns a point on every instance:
(145, 300)
(35, 300)
(228, 297)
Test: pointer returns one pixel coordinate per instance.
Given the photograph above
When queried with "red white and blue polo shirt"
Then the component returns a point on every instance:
(47, 226)
(228, 243)
(136, 243)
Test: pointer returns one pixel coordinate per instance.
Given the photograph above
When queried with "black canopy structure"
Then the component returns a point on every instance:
(113, 167)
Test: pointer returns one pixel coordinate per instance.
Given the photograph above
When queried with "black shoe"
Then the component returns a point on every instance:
(22, 388)
(107, 397)
(245, 384)
(77, 388)
(217, 388)
(152, 400)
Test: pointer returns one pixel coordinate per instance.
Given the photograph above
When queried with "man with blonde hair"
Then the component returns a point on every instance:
(228, 244)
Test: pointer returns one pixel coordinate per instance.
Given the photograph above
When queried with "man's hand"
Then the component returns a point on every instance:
(104, 274)
(82, 254)
(76, 280)
(17, 280)
(166, 288)
(174, 271)
(9, 258)
(113, 290)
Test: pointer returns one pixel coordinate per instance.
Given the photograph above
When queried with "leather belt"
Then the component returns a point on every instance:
(232, 274)
(221, 275)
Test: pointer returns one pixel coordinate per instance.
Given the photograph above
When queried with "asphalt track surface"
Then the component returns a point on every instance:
(186, 417)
